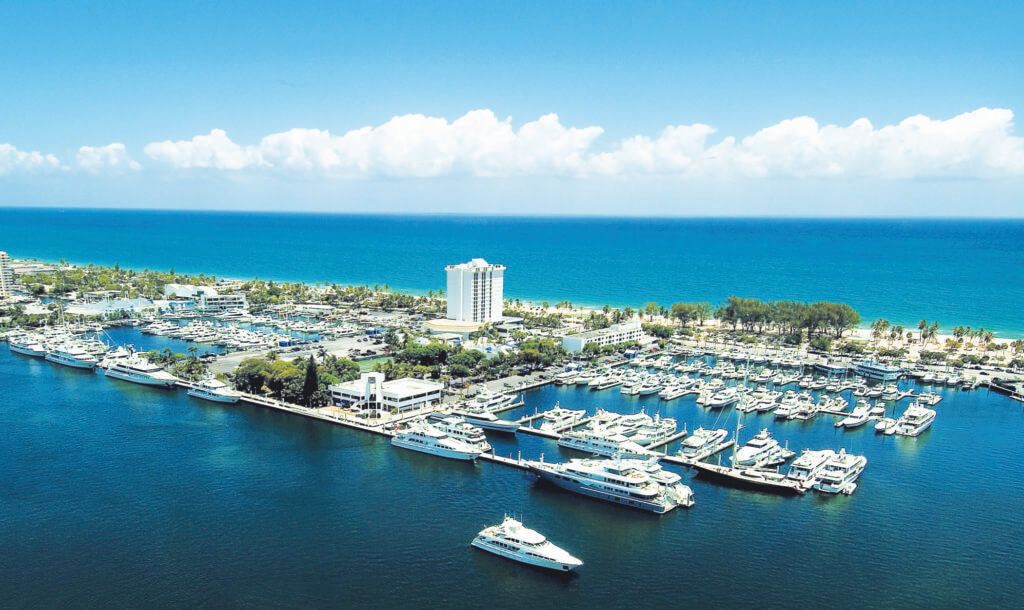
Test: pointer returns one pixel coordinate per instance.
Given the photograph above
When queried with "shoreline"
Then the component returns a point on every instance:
(1001, 334)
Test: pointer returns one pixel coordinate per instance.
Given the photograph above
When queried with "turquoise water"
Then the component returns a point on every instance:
(953, 271)
(116, 495)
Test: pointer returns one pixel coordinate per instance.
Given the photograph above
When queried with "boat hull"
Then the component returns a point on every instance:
(146, 381)
(451, 454)
(26, 351)
(579, 488)
(539, 562)
(75, 364)
(213, 397)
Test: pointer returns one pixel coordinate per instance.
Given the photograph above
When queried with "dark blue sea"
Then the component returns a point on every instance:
(116, 495)
(958, 272)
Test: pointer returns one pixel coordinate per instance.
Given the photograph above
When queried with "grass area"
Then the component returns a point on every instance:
(369, 363)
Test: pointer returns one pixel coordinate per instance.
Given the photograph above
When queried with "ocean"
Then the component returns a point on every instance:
(117, 495)
(958, 272)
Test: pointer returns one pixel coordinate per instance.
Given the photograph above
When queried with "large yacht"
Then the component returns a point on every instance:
(641, 484)
(915, 420)
(72, 355)
(840, 473)
(805, 468)
(27, 345)
(760, 451)
(137, 369)
(728, 396)
(858, 417)
(655, 430)
(214, 390)
(599, 442)
(513, 541)
(702, 443)
(421, 436)
(490, 401)
(456, 427)
(557, 418)
(488, 421)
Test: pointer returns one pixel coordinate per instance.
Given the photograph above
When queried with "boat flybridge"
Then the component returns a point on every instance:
(703, 442)
(840, 473)
(458, 428)
(510, 539)
(915, 420)
(761, 451)
(808, 465)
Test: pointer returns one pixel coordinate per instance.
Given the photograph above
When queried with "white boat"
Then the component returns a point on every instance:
(557, 419)
(459, 429)
(27, 345)
(724, 398)
(654, 430)
(858, 417)
(510, 539)
(488, 421)
(214, 390)
(137, 369)
(805, 468)
(640, 484)
(702, 443)
(487, 400)
(600, 442)
(840, 473)
(72, 355)
(421, 436)
(915, 420)
(885, 424)
(566, 377)
(760, 451)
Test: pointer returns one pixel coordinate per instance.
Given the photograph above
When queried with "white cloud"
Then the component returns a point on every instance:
(976, 144)
(13, 160)
(112, 158)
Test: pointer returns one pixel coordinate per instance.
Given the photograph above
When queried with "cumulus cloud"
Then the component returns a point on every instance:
(974, 144)
(112, 158)
(14, 160)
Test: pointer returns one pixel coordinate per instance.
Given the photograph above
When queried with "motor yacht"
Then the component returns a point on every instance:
(421, 436)
(488, 421)
(806, 467)
(27, 345)
(557, 419)
(840, 473)
(915, 420)
(459, 429)
(858, 417)
(760, 451)
(703, 442)
(71, 355)
(510, 539)
(600, 442)
(136, 368)
(635, 483)
(214, 390)
(724, 398)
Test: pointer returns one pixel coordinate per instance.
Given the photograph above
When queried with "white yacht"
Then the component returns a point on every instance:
(915, 420)
(72, 355)
(456, 427)
(760, 451)
(511, 540)
(214, 390)
(702, 443)
(839, 475)
(488, 421)
(137, 369)
(653, 430)
(487, 400)
(421, 436)
(858, 417)
(600, 442)
(557, 418)
(27, 345)
(566, 377)
(805, 468)
(641, 484)
(724, 398)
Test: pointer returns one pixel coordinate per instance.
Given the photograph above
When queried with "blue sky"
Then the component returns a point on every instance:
(135, 75)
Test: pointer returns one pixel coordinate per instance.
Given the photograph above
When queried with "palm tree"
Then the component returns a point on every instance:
(922, 326)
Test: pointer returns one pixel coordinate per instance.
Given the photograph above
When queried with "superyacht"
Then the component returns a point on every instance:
(511, 540)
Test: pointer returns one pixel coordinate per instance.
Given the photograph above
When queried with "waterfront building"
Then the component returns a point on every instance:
(370, 393)
(6, 276)
(216, 303)
(475, 291)
(616, 333)
(877, 371)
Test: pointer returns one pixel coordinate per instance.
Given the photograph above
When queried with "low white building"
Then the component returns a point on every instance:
(215, 303)
(616, 333)
(371, 393)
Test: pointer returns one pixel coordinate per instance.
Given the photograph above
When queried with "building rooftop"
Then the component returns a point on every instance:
(476, 263)
(622, 326)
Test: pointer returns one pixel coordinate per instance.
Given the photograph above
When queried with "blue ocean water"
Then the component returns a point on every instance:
(116, 495)
(953, 271)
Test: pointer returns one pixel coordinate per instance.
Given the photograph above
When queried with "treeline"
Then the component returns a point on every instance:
(788, 317)
(303, 382)
(437, 359)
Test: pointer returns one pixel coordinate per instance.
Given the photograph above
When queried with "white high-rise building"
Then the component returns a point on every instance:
(475, 291)
(6, 276)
